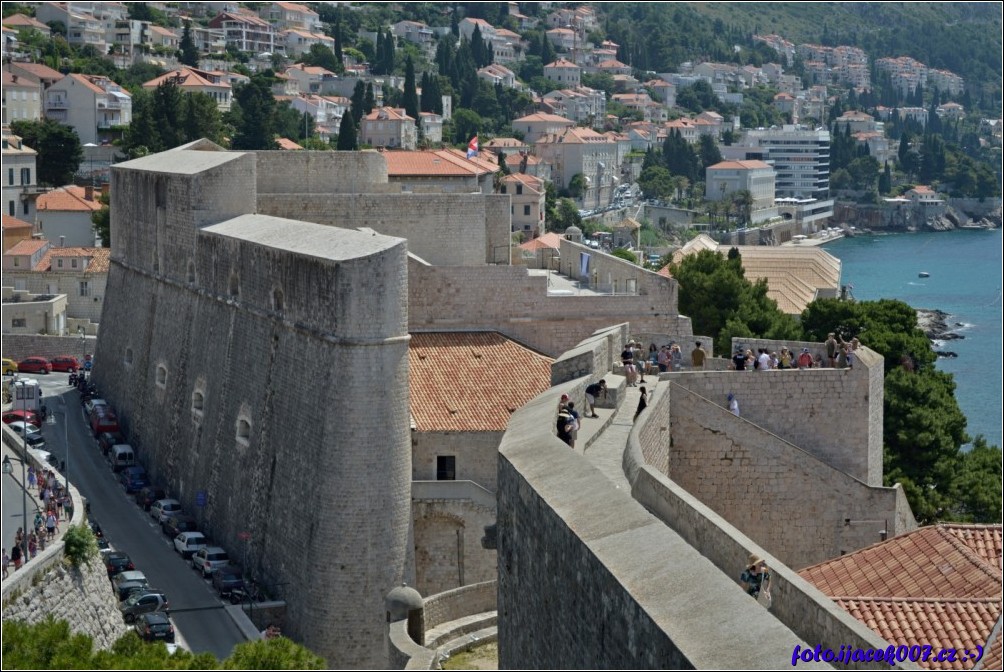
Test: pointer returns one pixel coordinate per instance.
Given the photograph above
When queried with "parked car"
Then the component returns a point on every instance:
(103, 419)
(90, 404)
(117, 562)
(155, 626)
(188, 543)
(175, 525)
(133, 478)
(34, 365)
(163, 509)
(19, 415)
(209, 559)
(95, 528)
(64, 363)
(228, 579)
(103, 546)
(32, 436)
(145, 497)
(9, 366)
(108, 439)
(125, 583)
(144, 602)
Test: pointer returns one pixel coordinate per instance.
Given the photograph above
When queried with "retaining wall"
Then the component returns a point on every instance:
(21, 346)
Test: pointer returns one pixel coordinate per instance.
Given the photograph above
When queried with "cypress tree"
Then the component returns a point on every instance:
(189, 54)
(410, 99)
(378, 57)
(388, 56)
(369, 99)
(338, 38)
(347, 134)
(358, 100)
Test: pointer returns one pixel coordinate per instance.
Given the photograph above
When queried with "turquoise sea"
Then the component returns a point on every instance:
(965, 282)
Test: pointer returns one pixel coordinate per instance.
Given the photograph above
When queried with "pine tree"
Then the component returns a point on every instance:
(189, 54)
(347, 134)
(410, 99)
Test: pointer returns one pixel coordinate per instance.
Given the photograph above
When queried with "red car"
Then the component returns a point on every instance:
(22, 416)
(65, 363)
(34, 365)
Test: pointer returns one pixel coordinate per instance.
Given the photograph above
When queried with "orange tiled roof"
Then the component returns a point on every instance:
(286, 143)
(508, 375)
(11, 223)
(562, 63)
(430, 162)
(739, 165)
(294, 7)
(26, 247)
(388, 114)
(939, 585)
(958, 624)
(186, 77)
(23, 21)
(549, 240)
(99, 258)
(40, 71)
(67, 198)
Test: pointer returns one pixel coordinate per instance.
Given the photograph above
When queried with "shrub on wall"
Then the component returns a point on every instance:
(80, 546)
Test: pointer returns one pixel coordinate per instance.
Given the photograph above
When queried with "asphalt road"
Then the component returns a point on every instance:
(198, 614)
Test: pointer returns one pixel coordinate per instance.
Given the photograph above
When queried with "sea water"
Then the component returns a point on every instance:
(965, 282)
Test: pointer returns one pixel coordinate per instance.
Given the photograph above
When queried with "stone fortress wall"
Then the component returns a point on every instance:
(218, 351)
(590, 576)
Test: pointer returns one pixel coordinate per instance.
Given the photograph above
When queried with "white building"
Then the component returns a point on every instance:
(533, 126)
(92, 104)
(565, 73)
(526, 196)
(21, 98)
(194, 80)
(727, 177)
(20, 178)
(388, 127)
(582, 151)
(64, 215)
(292, 16)
(298, 41)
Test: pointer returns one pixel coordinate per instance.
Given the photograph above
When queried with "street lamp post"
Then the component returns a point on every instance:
(8, 468)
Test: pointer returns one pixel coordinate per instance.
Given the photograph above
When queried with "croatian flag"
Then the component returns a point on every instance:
(472, 147)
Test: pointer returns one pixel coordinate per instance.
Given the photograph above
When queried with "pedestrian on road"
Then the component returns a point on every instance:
(68, 506)
(50, 524)
(32, 546)
(6, 562)
(15, 555)
(31, 476)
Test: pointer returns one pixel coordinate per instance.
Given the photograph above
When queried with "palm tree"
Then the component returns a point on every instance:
(744, 205)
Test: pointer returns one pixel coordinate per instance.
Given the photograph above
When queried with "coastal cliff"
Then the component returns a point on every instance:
(914, 217)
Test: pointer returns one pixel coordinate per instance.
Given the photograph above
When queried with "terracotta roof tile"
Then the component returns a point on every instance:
(26, 247)
(11, 223)
(286, 143)
(186, 77)
(388, 114)
(69, 198)
(39, 70)
(99, 258)
(938, 585)
(550, 241)
(958, 624)
(442, 366)
(429, 162)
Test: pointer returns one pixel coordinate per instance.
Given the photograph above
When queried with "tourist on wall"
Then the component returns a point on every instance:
(733, 404)
(573, 428)
(15, 556)
(739, 360)
(805, 359)
(627, 359)
(756, 577)
(663, 360)
(593, 391)
(676, 356)
(564, 426)
(831, 349)
(642, 402)
(698, 355)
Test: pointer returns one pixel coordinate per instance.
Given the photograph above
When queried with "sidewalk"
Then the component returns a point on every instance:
(34, 504)
(606, 452)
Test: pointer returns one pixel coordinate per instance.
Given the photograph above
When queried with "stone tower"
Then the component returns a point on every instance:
(259, 365)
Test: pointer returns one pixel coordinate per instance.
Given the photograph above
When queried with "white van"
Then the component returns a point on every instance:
(26, 395)
(122, 456)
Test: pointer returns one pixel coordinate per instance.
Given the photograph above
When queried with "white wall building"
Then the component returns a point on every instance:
(727, 177)
(92, 104)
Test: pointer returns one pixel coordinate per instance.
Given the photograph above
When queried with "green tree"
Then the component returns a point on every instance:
(168, 114)
(323, 57)
(358, 97)
(707, 150)
(141, 137)
(466, 124)
(656, 182)
(278, 653)
(189, 53)
(410, 99)
(202, 118)
(347, 134)
(566, 214)
(80, 545)
(621, 253)
(102, 222)
(49, 645)
(58, 147)
(577, 185)
(253, 115)
(885, 180)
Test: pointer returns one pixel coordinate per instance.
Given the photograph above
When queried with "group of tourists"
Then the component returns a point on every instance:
(839, 355)
(568, 416)
(56, 503)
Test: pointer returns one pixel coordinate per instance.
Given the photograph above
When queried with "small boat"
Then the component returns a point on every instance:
(923, 274)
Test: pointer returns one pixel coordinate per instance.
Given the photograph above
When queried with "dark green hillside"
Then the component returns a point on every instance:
(962, 37)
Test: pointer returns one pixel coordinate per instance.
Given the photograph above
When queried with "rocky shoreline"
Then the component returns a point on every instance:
(934, 324)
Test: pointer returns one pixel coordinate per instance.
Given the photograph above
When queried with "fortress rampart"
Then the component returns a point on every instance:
(587, 578)
(218, 353)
